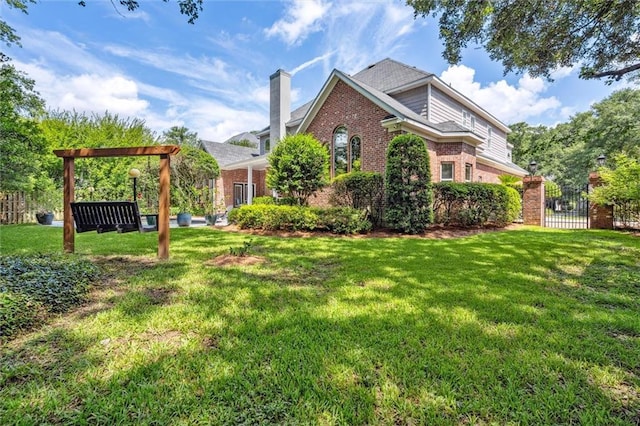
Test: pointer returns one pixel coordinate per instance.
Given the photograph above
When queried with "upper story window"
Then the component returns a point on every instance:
(468, 120)
(347, 153)
(489, 137)
(446, 172)
(267, 145)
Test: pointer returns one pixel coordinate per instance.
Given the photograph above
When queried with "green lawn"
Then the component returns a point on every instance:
(528, 326)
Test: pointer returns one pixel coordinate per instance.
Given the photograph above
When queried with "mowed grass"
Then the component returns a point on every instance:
(528, 326)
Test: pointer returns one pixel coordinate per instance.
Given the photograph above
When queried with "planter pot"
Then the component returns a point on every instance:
(210, 219)
(151, 220)
(44, 218)
(184, 219)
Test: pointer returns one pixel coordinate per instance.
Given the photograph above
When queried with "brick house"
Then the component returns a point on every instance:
(357, 116)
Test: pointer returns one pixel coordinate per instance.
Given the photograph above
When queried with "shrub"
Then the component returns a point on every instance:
(360, 190)
(343, 220)
(298, 167)
(57, 282)
(264, 200)
(274, 217)
(408, 185)
(475, 204)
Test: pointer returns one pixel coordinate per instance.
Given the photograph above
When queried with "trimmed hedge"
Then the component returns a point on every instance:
(269, 217)
(362, 191)
(475, 204)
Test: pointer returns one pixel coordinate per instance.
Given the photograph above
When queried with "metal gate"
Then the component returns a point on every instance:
(566, 207)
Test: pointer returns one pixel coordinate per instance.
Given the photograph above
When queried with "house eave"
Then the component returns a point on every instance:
(256, 163)
(514, 170)
(395, 124)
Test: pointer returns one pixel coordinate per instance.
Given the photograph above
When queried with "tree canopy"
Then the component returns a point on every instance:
(190, 8)
(602, 36)
(180, 135)
(567, 152)
(21, 141)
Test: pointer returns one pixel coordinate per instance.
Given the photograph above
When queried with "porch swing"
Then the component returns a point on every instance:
(120, 216)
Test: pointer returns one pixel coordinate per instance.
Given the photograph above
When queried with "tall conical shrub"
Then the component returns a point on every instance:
(409, 194)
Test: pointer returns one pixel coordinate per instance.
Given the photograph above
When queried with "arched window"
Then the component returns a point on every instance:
(347, 153)
(340, 154)
(355, 153)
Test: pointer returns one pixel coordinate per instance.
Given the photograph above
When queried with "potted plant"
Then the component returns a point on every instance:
(44, 217)
(47, 204)
(184, 201)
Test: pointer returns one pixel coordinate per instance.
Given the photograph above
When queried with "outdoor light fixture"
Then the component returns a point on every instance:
(601, 159)
(134, 174)
(533, 167)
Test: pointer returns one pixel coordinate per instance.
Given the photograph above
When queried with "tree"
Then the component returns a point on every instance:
(620, 183)
(192, 168)
(98, 178)
(243, 142)
(540, 36)
(190, 8)
(566, 153)
(298, 167)
(21, 140)
(180, 135)
(408, 185)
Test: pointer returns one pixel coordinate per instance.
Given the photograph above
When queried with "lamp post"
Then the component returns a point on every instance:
(134, 174)
(533, 167)
(601, 160)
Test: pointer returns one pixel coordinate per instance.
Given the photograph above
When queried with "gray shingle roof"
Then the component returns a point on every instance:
(225, 153)
(244, 136)
(388, 74)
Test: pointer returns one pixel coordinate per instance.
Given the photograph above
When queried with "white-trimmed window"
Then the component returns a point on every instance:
(468, 172)
(446, 172)
(489, 137)
(347, 153)
(468, 120)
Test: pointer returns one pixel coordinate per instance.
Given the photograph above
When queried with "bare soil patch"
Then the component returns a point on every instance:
(230, 260)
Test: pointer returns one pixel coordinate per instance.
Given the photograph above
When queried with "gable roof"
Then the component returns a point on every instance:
(396, 109)
(244, 136)
(225, 153)
(388, 75)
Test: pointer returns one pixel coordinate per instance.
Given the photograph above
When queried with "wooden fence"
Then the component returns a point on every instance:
(19, 207)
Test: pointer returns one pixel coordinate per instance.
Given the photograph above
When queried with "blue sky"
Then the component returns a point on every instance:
(213, 76)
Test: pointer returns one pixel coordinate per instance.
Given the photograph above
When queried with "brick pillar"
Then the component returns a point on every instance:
(533, 200)
(600, 217)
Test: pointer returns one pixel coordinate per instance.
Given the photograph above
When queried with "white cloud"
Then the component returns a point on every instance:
(311, 62)
(509, 103)
(204, 68)
(302, 18)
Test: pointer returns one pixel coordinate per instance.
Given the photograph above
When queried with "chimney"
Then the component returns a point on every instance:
(279, 105)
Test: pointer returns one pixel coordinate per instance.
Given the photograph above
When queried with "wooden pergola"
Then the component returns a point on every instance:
(164, 151)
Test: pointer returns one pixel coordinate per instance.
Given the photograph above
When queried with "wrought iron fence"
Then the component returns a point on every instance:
(626, 215)
(566, 207)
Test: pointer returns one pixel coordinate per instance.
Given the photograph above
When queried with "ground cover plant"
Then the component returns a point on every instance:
(526, 326)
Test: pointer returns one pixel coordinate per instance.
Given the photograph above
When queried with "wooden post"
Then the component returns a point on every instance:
(69, 183)
(163, 207)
